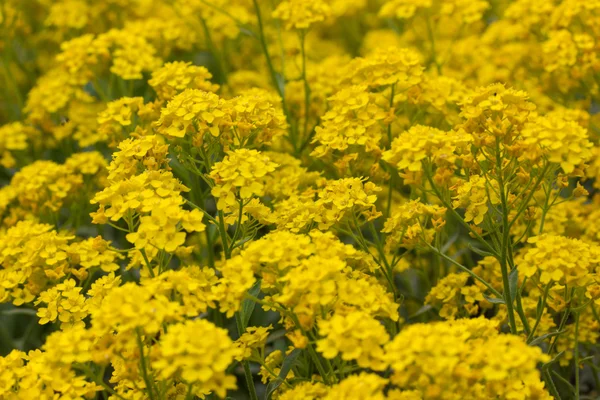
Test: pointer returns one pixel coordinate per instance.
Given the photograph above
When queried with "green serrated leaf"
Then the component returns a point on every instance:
(248, 305)
(287, 365)
(513, 283)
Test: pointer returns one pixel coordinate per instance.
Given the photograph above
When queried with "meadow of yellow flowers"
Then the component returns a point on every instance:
(299, 199)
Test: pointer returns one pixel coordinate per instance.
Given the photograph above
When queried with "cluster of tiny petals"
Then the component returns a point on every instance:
(356, 336)
(473, 195)
(421, 143)
(301, 14)
(340, 196)
(326, 199)
(384, 67)
(254, 116)
(199, 352)
(403, 9)
(405, 226)
(354, 119)
(552, 257)
(172, 78)
(192, 109)
(430, 357)
(564, 142)
(13, 137)
(241, 174)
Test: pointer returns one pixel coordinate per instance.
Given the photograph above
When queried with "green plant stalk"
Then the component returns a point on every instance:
(521, 312)
(576, 356)
(449, 207)
(307, 91)
(214, 51)
(90, 375)
(562, 324)
(245, 363)
(551, 386)
(505, 242)
(467, 270)
(529, 196)
(223, 232)
(149, 386)
(265, 48)
(539, 317)
(312, 352)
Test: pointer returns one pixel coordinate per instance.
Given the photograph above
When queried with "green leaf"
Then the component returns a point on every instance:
(539, 308)
(248, 305)
(540, 339)
(494, 300)
(547, 365)
(287, 365)
(482, 253)
(513, 283)
(421, 311)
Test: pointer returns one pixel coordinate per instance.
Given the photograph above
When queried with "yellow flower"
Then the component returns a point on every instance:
(199, 353)
(174, 77)
(191, 111)
(355, 336)
(240, 176)
(424, 143)
(465, 356)
(253, 339)
(301, 14)
(564, 142)
(552, 257)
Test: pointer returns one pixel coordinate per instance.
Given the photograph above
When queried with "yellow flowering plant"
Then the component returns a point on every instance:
(299, 199)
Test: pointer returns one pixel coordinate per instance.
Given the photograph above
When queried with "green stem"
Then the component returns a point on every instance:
(432, 40)
(245, 363)
(215, 52)
(90, 375)
(306, 88)
(449, 207)
(389, 130)
(467, 270)
(539, 317)
(505, 241)
(143, 251)
(576, 356)
(265, 48)
(224, 235)
(562, 324)
(311, 351)
(529, 196)
(149, 386)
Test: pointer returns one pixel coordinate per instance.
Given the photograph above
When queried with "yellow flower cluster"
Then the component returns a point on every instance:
(564, 142)
(407, 225)
(355, 336)
(240, 175)
(459, 359)
(301, 14)
(173, 78)
(551, 257)
(354, 119)
(193, 110)
(426, 144)
(199, 353)
(384, 67)
(301, 199)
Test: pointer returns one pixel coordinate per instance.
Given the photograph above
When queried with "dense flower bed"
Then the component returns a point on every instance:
(299, 199)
